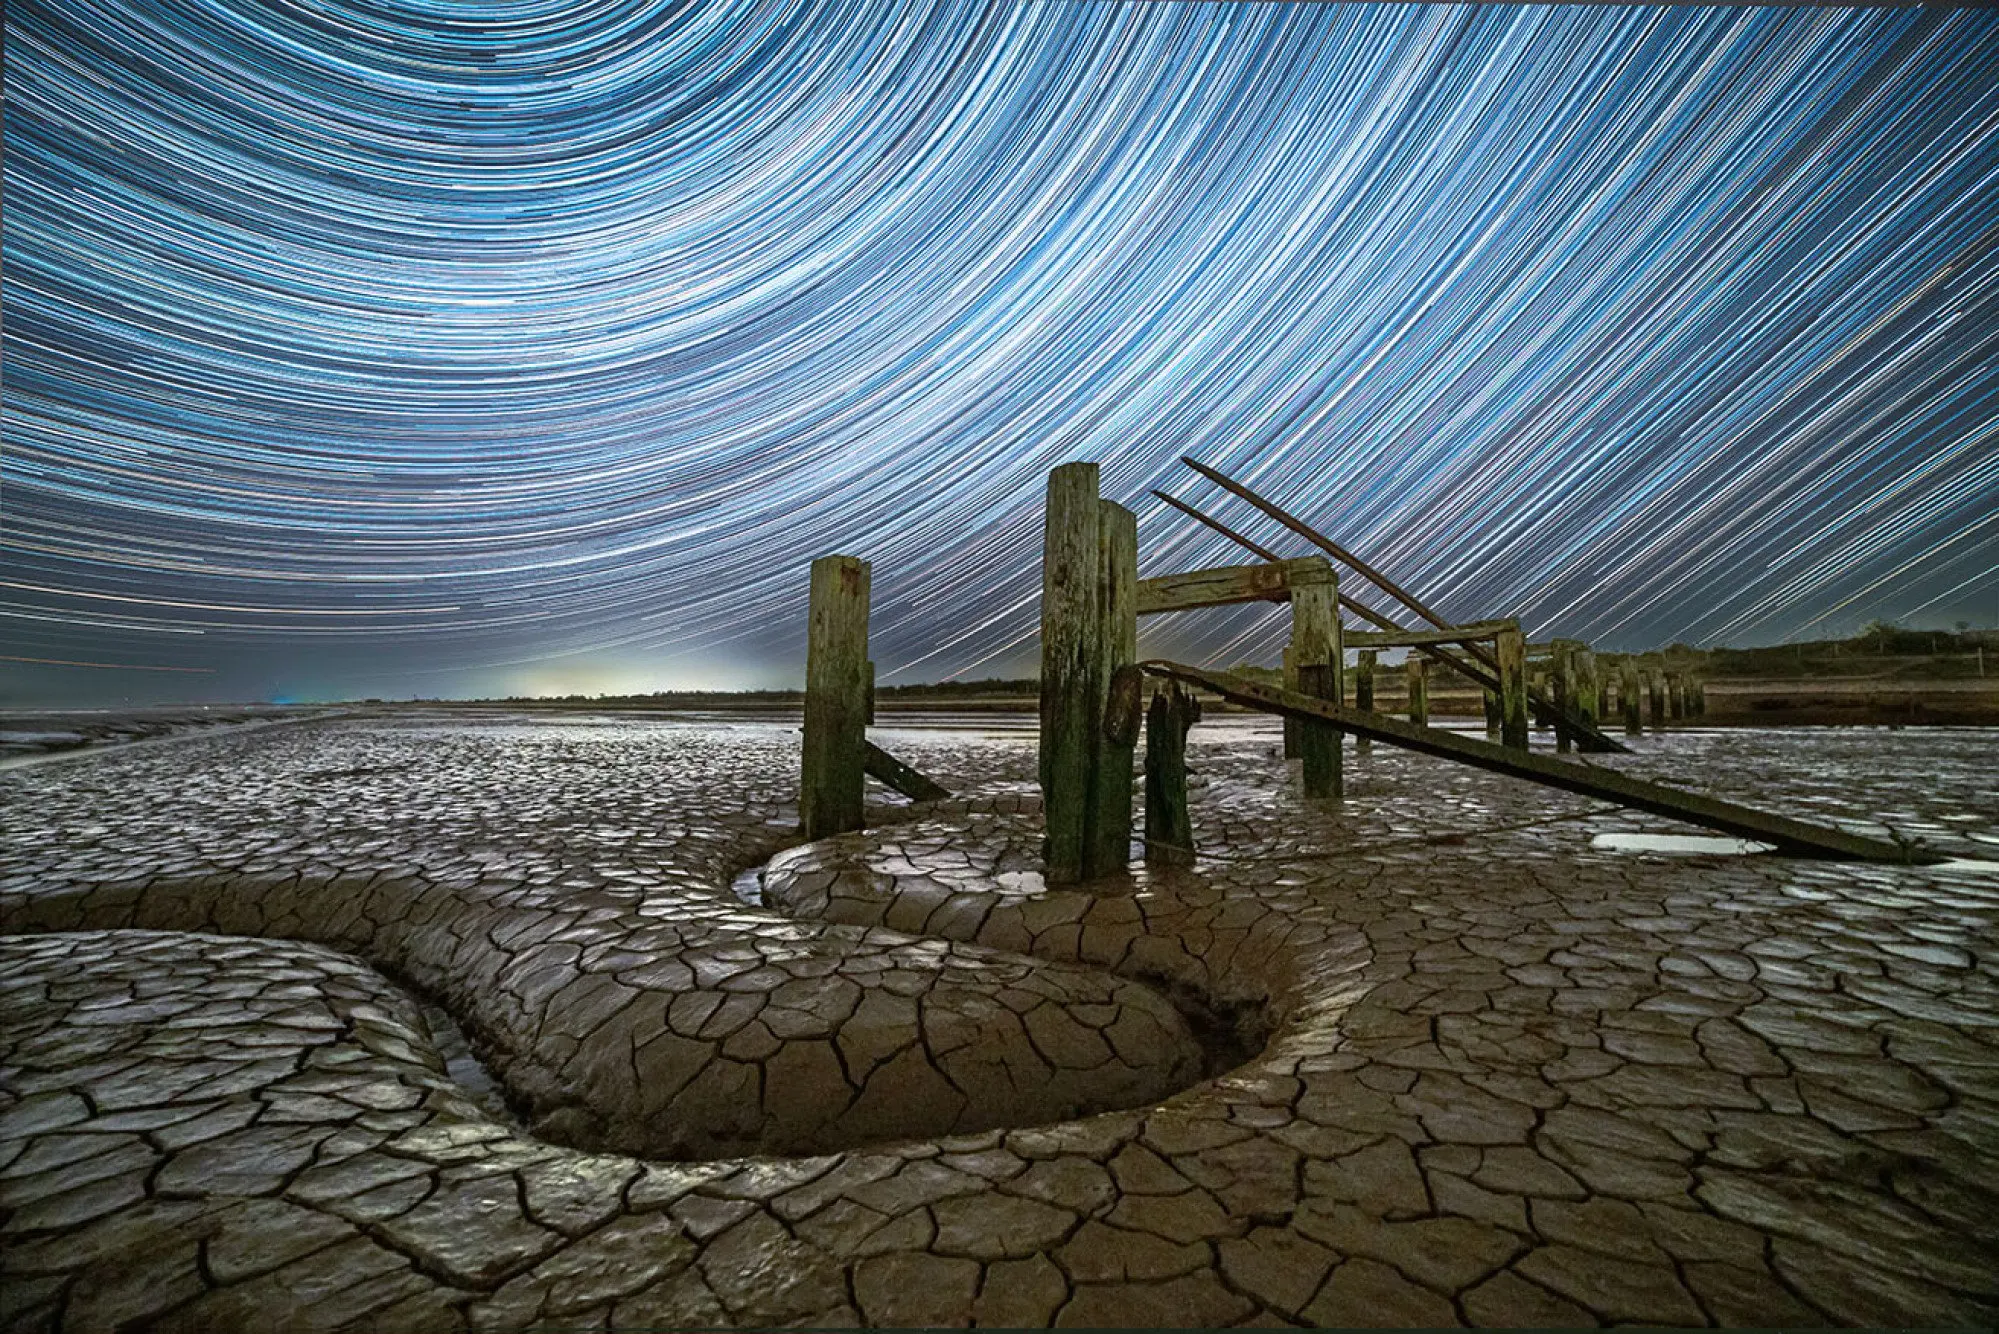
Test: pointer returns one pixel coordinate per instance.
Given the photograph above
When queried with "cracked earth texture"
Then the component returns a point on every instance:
(1425, 1056)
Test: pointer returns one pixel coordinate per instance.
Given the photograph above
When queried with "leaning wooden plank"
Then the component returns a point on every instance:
(1221, 586)
(1474, 630)
(881, 765)
(1788, 835)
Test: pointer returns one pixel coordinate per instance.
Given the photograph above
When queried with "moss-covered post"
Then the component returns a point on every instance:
(1588, 686)
(1627, 686)
(838, 683)
(1074, 682)
(1169, 833)
(1417, 672)
(1363, 691)
(1110, 789)
(1510, 648)
(1315, 644)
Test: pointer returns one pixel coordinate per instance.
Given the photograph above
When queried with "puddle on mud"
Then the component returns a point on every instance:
(465, 1069)
(749, 885)
(1681, 844)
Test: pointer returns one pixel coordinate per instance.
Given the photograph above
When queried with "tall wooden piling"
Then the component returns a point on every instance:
(1169, 833)
(1511, 651)
(1417, 671)
(1110, 790)
(1627, 687)
(1363, 691)
(1562, 676)
(1589, 686)
(1317, 651)
(1073, 673)
(838, 681)
(1489, 699)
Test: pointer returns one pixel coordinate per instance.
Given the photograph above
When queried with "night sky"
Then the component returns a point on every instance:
(519, 346)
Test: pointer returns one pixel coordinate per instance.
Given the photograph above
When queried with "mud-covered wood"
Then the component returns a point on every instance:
(911, 782)
(1169, 832)
(1110, 786)
(1793, 836)
(837, 681)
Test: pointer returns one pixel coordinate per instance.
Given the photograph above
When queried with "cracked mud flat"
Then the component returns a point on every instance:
(1386, 1061)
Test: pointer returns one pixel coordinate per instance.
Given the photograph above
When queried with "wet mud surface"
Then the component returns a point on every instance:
(447, 1024)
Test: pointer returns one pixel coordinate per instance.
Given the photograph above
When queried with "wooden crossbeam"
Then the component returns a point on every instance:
(1793, 836)
(1460, 634)
(1225, 585)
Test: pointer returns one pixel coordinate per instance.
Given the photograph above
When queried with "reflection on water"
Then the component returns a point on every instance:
(1686, 844)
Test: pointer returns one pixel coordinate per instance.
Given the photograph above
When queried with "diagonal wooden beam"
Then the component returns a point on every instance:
(1793, 836)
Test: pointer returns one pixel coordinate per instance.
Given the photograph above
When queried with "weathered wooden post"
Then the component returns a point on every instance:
(1655, 686)
(1489, 698)
(1563, 677)
(1700, 697)
(1110, 791)
(1676, 696)
(1363, 691)
(1511, 650)
(1544, 685)
(1417, 672)
(1588, 685)
(838, 678)
(1627, 688)
(1089, 628)
(1169, 833)
(1290, 683)
(1315, 643)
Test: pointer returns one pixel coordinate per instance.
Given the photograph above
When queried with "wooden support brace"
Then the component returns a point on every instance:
(1473, 633)
(911, 783)
(836, 698)
(1221, 586)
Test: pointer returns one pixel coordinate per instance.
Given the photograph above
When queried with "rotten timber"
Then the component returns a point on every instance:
(1796, 837)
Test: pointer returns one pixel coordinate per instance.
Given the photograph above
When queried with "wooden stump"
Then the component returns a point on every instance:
(1417, 672)
(1655, 686)
(1315, 645)
(838, 678)
(1589, 690)
(1169, 834)
(1627, 685)
(1510, 648)
(1676, 696)
(1363, 691)
(1489, 699)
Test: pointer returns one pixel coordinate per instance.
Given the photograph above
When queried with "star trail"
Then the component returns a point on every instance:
(439, 347)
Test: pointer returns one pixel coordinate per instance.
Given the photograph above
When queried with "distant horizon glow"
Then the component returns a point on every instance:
(406, 348)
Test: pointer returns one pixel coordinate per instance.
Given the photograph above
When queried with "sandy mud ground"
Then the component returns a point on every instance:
(452, 1024)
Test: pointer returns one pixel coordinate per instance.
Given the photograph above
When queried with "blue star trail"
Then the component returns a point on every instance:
(414, 347)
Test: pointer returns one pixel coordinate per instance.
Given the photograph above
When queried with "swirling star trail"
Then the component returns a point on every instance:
(454, 346)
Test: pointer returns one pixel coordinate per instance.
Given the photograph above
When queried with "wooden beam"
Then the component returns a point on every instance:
(1476, 631)
(881, 765)
(836, 698)
(1221, 586)
(1793, 836)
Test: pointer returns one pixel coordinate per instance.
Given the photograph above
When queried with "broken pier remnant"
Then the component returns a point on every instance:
(1788, 835)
